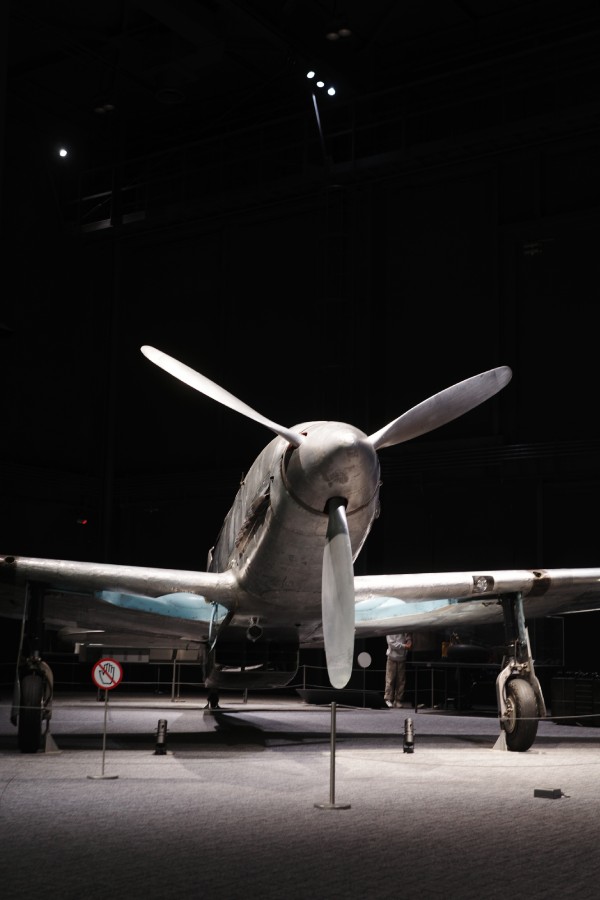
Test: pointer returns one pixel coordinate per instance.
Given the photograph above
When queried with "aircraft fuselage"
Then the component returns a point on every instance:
(268, 536)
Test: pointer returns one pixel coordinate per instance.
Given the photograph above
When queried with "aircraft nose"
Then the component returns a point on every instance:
(335, 460)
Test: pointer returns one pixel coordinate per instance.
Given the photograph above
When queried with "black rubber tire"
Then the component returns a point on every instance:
(30, 714)
(522, 715)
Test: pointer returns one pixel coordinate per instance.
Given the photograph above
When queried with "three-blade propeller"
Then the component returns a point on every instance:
(337, 594)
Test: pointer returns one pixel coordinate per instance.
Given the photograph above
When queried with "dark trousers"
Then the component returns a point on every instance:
(395, 679)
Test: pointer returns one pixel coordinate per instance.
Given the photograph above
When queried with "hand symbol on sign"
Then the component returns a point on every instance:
(107, 673)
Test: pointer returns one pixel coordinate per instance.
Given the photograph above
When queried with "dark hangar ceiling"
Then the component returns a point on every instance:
(142, 74)
(176, 110)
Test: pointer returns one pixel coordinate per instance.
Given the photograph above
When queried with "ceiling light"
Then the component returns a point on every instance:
(319, 82)
(104, 108)
(338, 29)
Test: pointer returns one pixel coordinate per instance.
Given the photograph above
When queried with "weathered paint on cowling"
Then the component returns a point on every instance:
(242, 515)
(279, 505)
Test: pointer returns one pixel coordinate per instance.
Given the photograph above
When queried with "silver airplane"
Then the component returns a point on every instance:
(280, 576)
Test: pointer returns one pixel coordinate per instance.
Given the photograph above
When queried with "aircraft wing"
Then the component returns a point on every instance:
(124, 605)
(135, 605)
(388, 603)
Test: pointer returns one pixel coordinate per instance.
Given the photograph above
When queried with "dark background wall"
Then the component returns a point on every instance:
(436, 227)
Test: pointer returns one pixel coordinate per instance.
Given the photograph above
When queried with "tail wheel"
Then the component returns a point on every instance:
(521, 723)
(31, 714)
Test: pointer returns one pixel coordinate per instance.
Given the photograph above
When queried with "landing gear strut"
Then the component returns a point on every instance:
(520, 699)
(35, 705)
(33, 689)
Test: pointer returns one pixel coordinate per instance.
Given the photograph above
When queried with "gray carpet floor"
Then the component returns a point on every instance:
(258, 801)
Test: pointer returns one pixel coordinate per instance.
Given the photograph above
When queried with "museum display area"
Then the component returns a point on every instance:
(298, 349)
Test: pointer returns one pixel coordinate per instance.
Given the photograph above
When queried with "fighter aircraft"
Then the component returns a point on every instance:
(280, 576)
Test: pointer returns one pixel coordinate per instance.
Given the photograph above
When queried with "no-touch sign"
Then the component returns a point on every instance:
(107, 674)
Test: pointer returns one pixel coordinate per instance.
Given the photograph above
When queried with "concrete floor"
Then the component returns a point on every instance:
(257, 801)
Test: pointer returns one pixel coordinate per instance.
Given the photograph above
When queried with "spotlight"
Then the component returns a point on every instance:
(311, 74)
(409, 736)
(63, 152)
(161, 738)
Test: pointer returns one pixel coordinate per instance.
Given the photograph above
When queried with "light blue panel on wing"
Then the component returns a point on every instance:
(388, 607)
(180, 605)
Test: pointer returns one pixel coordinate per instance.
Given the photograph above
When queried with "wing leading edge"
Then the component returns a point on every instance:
(387, 603)
(63, 574)
(177, 593)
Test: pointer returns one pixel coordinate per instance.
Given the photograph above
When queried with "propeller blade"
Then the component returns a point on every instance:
(205, 386)
(337, 596)
(442, 408)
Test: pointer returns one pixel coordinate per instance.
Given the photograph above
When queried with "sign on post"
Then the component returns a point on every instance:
(106, 675)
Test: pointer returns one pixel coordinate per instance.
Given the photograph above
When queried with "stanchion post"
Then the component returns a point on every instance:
(102, 775)
(332, 804)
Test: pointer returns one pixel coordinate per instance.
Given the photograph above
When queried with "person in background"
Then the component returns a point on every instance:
(398, 646)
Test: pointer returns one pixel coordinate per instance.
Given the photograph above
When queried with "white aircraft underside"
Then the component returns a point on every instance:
(281, 571)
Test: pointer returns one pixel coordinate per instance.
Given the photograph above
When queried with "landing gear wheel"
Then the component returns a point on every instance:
(521, 715)
(30, 714)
